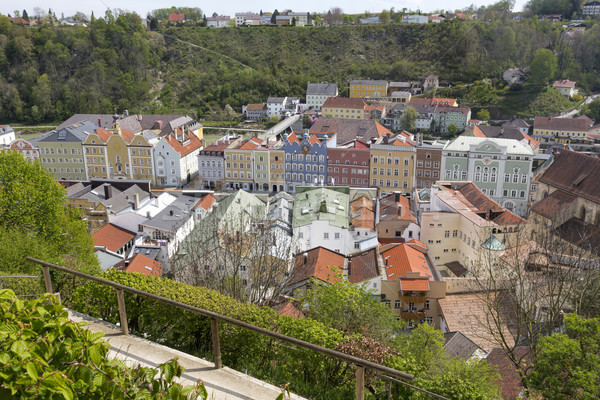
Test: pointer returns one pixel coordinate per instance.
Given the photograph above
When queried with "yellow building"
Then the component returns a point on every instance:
(343, 107)
(368, 88)
(118, 154)
(561, 130)
(393, 163)
(277, 169)
(239, 164)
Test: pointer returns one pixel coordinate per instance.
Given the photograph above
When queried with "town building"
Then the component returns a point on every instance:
(175, 158)
(566, 87)
(256, 112)
(247, 19)
(321, 219)
(561, 130)
(504, 132)
(7, 135)
(363, 212)
(344, 107)
(61, 152)
(347, 130)
(368, 88)
(220, 21)
(277, 167)
(393, 163)
(211, 162)
(26, 148)
(239, 164)
(501, 168)
(397, 219)
(412, 284)
(318, 263)
(299, 18)
(305, 160)
(591, 8)
(414, 19)
(317, 93)
(279, 106)
(348, 164)
(429, 164)
(463, 226)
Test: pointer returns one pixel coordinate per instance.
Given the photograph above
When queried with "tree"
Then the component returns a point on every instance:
(274, 17)
(568, 364)
(483, 114)
(33, 210)
(592, 109)
(45, 355)
(407, 121)
(350, 308)
(543, 66)
(452, 129)
(25, 16)
(238, 251)
(527, 292)
(384, 17)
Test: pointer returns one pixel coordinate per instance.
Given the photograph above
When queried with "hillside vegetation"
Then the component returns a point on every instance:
(48, 73)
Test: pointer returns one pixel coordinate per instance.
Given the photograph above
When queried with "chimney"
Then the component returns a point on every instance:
(139, 117)
(148, 215)
(126, 112)
(385, 139)
(323, 208)
(396, 197)
(399, 210)
(107, 191)
(136, 201)
(171, 213)
(100, 122)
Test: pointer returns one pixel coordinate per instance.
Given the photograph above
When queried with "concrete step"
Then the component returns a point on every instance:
(221, 384)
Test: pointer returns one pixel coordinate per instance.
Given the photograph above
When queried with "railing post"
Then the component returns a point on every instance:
(388, 385)
(360, 382)
(47, 279)
(214, 329)
(122, 312)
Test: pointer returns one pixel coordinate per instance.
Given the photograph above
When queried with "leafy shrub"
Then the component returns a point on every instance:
(44, 355)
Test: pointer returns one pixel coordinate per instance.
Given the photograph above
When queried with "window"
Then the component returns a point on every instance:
(336, 235)
(447, 234)
(326, 235)
(524, 178)
(477, 174)
(436, 164)
(419, 163)
(427, 304)
(397, 304)
(455, 233)
(506, 178)
(513, 193)
(405, 161)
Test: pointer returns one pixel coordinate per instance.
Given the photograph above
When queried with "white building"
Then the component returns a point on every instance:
(7, 135)
(317, 93)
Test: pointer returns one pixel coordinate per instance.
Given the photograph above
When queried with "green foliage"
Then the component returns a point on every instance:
(592, 109)
(309, 374)
(407, 121)
(568, 364)
(543, 66)
(423, 355)
(483, 114)
(35, 221)
(547, 102)
(44, 355)
(351, 309)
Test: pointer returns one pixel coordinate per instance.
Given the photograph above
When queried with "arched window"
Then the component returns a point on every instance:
(477, 174)
(516, 175)
(455, 173)
(493, 176)
(485, 174)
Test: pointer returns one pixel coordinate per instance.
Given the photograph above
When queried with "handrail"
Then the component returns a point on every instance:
(359, 362)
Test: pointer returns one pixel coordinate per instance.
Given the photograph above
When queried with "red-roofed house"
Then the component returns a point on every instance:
(566, 87)
(411, 283)
(393, 163)
(348, 164)
(344, 107)
(141, 265)
(114, 238)
(561, 130)
(176, 17)
(397, 221)
(318, 263)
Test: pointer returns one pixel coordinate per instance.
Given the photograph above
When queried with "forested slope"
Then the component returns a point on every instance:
(48, 73)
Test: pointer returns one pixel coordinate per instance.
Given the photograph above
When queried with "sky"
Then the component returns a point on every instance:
(70, 7)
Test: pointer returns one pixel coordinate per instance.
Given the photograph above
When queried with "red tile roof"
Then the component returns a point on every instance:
(399, 259)
(112, 237)
(363, 266)
(366, 215)
(141, 264)
(317, 263)
(574, 173)
(390, 204)
(564, 83)
(176, 17)
(194, 143)
(344, 102)
(416, 285)
(207, 202)
(256, 107)
(103, 134)
(289, 309)
(561, 124)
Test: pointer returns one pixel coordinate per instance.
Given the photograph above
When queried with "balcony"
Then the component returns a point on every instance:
(412, 314)
(410, 298)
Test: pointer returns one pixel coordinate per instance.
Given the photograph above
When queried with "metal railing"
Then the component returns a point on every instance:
(360, 363)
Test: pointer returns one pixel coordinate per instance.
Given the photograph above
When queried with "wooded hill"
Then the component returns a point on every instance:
(48, 73)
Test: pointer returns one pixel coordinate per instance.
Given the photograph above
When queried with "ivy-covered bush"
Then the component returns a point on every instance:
(45, 355)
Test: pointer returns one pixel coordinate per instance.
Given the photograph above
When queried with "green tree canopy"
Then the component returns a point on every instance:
(351, 309)
(543, 66)
(407, 121)
(34, 218)
(568, 364)
(483, 114)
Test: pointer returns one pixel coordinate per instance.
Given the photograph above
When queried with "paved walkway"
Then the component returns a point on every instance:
(221, 384)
